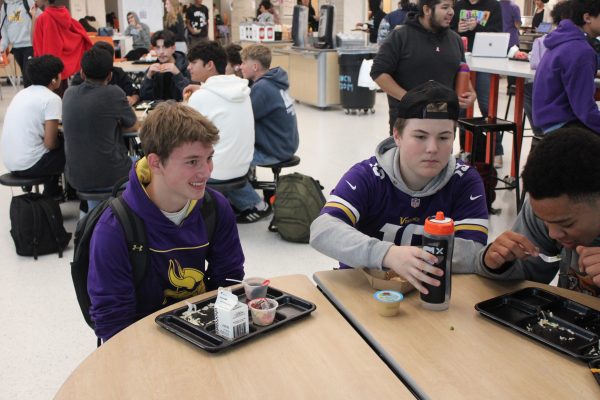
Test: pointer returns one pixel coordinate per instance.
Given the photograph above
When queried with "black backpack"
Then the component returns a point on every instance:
(298, 201)
(25, 5)
(135, 234)
(37, 225)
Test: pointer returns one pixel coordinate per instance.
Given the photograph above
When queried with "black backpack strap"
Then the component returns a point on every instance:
(135, 235)
(5, 15)
(27, 8)
(52, 221)
(209, 215)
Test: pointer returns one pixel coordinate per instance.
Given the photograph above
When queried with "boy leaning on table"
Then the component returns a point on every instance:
(374, 216)
(560, 217)
(166, 189)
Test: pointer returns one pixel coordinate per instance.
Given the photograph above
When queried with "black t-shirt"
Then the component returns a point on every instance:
(537, 19)
(197, 16)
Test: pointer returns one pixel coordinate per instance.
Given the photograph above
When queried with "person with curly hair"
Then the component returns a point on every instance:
(560, 217)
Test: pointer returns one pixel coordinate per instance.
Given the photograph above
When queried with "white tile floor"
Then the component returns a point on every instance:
(43, 336)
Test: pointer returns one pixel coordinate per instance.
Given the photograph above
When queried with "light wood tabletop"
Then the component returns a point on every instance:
(129, 66)
(458, 354)
(318, 357)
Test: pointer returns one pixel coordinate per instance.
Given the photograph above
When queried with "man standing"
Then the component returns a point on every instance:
(95, 114)
(166, 79)
(16, 32)
(56, 33)
(470, 17)
(197, 22)
(225, 101)
(422, 49)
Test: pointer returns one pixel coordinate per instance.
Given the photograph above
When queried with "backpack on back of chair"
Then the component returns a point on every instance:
(37, 225)
(298, 201)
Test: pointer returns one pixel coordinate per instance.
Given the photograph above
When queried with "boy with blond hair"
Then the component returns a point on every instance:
(275, 124)
(166, 190)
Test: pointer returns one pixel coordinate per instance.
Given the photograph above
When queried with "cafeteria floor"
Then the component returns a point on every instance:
(43, 336)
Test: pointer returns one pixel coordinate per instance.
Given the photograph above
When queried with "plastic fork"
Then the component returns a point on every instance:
(548, 259)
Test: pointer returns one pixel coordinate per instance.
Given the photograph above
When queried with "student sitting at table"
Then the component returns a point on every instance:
(374, 216)
(166, 190)
(95, 115)
(119, 77)
(31, 142)
(561, 217)
(225, 101)
(563, 89)
(166, 79)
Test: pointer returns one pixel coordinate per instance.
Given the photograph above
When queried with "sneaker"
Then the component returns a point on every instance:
(252, 215)
(498, 162)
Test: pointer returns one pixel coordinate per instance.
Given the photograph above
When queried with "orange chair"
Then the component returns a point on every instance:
(9, 66)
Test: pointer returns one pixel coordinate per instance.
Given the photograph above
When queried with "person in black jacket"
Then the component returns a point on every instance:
(470, 17)
(119, 77)
(166, 79)
(422, 49)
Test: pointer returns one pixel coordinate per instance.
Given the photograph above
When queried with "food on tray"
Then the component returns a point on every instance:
(386, 279)
(263, 311)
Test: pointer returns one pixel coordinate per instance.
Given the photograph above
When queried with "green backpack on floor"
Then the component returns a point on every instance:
(298, 201)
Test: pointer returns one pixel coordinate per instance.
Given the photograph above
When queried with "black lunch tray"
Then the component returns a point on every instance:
(290, 309)
(578, 327)
(144, 62)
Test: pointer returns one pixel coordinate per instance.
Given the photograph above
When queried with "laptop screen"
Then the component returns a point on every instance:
(544, 27)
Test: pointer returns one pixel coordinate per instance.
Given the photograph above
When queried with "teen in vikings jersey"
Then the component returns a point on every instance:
(373, 199)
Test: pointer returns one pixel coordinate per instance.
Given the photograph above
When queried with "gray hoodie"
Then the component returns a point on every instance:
(337, 239)
(16, 24)
(533, 268)
(141, 37)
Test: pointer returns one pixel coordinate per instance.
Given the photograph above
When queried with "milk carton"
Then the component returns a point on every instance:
(231, 316)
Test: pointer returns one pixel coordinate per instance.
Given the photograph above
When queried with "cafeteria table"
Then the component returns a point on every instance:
(458, 354)
(318, 357)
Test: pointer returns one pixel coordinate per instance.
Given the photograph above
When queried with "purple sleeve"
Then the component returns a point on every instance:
(537, 51)
(110, 280)
(226, 258)
(516, 13)
(578, 81)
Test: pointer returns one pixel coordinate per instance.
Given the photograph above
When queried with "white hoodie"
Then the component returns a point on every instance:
(225, 101)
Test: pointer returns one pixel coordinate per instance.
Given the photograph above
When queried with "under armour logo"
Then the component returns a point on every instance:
(137, 247)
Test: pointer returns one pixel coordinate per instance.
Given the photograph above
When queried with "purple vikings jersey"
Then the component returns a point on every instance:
(366, 199)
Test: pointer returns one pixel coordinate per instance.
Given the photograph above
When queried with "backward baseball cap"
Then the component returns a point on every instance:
(429, 100)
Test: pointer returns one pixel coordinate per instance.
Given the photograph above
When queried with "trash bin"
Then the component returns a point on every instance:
(353, 97)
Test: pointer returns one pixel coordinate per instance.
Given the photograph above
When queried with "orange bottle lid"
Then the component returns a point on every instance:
(439, 225)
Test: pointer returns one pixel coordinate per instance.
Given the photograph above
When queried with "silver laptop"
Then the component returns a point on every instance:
(490, 44)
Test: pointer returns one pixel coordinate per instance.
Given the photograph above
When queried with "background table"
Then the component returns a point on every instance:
(458, 354)
(319, 357)
(503, 66)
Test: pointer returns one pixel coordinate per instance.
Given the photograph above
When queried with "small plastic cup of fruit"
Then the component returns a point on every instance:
(263, 311)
